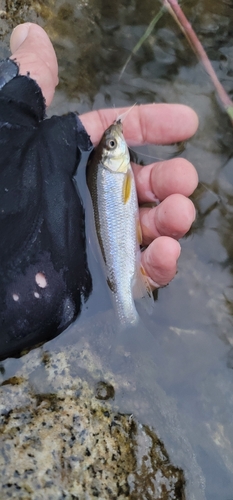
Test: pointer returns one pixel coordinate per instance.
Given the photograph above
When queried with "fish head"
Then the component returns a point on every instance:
(115, 153)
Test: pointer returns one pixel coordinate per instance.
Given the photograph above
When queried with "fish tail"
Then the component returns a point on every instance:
(126, 313)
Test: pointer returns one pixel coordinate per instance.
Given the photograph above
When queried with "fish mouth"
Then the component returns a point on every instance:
(119, 124)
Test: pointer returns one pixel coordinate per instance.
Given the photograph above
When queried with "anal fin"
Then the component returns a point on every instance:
(142, 290)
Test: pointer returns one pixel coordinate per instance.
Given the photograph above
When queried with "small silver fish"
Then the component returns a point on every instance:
(111, 184)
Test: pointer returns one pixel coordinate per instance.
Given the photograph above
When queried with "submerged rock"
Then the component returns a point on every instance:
(61, 437)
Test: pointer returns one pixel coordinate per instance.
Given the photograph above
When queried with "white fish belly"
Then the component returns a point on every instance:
(120, 248)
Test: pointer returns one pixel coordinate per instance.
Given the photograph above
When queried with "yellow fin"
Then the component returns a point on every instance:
(142, 290)
(139, 232)
(146, 282)
(127, 186)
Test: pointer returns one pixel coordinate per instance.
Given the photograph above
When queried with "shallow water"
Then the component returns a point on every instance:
(181, 372)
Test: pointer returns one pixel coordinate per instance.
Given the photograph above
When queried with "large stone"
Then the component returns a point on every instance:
(61, 437)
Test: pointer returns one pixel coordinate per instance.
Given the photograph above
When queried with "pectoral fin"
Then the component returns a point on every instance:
(127, 186)
(139, 232)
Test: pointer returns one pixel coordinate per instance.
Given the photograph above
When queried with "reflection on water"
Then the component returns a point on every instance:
(182, 378)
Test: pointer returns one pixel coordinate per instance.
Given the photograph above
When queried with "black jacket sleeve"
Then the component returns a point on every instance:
(43, 267)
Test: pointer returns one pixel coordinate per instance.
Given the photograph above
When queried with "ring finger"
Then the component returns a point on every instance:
(161, 179)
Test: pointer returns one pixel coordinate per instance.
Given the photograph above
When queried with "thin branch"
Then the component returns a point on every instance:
(175, 10)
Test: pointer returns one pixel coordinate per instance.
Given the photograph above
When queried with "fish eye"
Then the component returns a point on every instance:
(111, 143)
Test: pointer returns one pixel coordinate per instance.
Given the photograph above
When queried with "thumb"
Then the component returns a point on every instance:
(33, 51)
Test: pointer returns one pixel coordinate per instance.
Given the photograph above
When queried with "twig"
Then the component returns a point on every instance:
(175, 10)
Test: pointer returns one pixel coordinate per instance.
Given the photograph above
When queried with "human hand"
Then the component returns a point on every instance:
(170, 181)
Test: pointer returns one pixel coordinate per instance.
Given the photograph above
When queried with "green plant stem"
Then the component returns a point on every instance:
(144, 37)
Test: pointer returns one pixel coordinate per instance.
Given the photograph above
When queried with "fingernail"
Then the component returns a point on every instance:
(145, 222)
(19, 35)
(153, 283)
(194, 213)
(178, 250)
(150, 196)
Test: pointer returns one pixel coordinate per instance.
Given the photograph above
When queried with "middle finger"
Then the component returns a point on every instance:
(172, 217)
(161, 179)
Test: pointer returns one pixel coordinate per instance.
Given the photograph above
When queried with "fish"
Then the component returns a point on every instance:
(111, 183)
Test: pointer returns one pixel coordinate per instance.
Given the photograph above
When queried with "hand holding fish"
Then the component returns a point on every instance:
(171, 182)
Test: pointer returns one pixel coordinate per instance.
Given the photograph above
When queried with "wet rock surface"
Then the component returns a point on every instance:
(60, 437)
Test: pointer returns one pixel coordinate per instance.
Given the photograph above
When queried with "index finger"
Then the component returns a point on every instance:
(145, 124)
